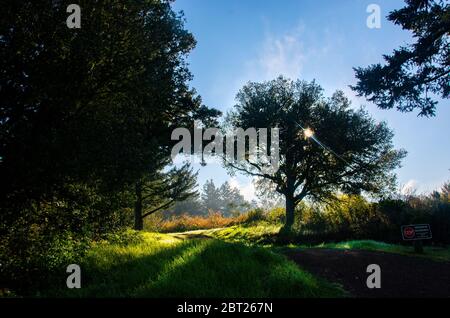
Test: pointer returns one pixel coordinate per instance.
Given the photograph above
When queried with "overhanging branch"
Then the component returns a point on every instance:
(159, 208)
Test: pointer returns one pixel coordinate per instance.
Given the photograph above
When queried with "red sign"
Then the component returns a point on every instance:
(416, 232)
(409, 232)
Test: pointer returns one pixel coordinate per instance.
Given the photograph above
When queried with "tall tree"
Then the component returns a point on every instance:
(210, 196)
(224, 199)
(94, 105)
(231, 200)
(325, 146)
(413, 73)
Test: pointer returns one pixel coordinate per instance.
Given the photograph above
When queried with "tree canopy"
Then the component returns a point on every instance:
(325, 145)
(94, 105)
(413, 73)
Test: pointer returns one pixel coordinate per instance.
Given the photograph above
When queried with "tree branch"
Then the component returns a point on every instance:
(262, 175)
(159, 208)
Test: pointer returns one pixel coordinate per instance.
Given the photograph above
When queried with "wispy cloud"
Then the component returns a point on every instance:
(409, 187)
(295, 53)
(246, 189)
(281, 54)
(278, 54)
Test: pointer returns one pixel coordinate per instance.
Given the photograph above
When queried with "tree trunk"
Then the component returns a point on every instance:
(138, 222)
(290, 209)
(290, 201)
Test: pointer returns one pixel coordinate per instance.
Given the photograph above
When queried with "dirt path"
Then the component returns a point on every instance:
(401, 276)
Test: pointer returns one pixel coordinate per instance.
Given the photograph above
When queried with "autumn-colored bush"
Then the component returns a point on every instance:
(186, 222)
(212, 220)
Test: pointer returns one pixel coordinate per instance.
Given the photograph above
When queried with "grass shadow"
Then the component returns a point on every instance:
(194, 268)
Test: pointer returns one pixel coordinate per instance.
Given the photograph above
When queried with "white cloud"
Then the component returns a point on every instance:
(280, 55)
(409, 187)
(246, 189)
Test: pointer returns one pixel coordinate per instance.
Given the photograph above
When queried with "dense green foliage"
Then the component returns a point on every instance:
(354, 218)
(158, 190)
(84, 115)
(413, 73)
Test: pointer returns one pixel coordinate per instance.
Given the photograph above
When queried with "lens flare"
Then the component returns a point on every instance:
(308, 132)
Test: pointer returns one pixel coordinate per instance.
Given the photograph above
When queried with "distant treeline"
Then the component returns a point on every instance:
(224, 199)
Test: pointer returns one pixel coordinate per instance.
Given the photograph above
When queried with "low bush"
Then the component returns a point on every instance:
(355, 218)
(185, 222)
(38, 243)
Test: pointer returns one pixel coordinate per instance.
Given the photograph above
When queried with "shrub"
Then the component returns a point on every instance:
(355, 218)
(43, 238)
(252, 216)
(276, 215)
(186, 222)
(29, 258)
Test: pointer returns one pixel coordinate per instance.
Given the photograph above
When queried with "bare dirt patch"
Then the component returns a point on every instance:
(401, 276)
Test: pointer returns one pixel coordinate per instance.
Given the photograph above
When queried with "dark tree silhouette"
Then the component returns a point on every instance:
(413, 73)
(348, 152)
(86, 117)
(94, 105)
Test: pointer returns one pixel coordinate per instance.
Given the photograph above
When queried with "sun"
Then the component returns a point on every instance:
(308, 132)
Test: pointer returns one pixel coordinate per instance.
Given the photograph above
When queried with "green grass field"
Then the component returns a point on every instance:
(162, 265)
(264, 233)
(228, 262)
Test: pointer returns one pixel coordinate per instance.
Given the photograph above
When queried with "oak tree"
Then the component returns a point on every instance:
(325, 145)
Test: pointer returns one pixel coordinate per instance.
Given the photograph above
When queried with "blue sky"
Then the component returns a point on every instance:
(256, 40)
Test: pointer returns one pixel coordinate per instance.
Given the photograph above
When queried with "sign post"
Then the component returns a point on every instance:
(416, 233)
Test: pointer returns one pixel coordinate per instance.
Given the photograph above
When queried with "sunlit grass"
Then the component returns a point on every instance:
(264, 233)
(163, 265)
(261, 232)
